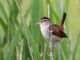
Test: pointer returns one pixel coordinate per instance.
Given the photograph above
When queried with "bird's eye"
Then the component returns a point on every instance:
(44, 20)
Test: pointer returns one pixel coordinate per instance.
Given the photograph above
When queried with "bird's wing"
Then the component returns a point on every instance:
(57, 31)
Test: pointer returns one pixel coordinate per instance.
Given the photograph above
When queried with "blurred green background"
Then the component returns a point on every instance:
(20, 37)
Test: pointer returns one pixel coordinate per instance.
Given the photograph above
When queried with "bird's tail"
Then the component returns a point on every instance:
(63, 18)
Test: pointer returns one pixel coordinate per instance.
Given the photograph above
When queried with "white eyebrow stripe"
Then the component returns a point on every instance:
(44, 19)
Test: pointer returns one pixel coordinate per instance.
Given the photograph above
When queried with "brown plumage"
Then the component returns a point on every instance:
(57, 30)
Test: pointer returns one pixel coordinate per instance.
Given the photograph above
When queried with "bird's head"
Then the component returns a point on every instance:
(45, 21)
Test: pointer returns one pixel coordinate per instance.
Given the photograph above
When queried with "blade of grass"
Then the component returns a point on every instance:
(76, 47)
(3, 14)
(26, 34)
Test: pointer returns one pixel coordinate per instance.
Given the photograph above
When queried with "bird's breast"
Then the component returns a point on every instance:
(48, 35)
(45, 32)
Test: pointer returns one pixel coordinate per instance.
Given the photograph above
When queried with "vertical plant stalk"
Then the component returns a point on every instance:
(8, 33)
(70, 47)
(51, 50)
(62, 5)
(48, 10)
(44, 52)
(59, 52)
(26, 34)
(21, 49)
(27, 38)
(50, 40)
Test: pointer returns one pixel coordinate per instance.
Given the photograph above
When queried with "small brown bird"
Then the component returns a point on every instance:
(52, 31)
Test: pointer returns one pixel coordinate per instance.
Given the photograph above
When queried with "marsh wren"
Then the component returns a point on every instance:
(52, 31)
